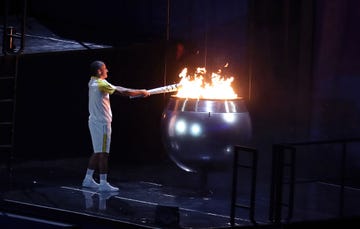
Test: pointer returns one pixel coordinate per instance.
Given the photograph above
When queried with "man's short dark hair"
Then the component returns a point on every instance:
(95, 65)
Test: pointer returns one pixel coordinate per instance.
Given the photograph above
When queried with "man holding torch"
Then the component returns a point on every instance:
(100, 117)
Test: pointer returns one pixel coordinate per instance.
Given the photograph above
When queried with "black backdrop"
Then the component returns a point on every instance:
(297, 65)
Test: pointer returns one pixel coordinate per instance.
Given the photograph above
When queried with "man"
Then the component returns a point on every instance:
(100, 117)
(180, 57)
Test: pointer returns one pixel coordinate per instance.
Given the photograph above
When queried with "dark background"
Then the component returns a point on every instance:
(296, 63)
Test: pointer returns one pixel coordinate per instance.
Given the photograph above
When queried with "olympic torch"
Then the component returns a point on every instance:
(164, 89)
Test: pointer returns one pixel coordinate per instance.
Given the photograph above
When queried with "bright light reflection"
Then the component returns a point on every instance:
(180, 127)
(208, 107)
(228, 150)
(229, 117)
(195, 129)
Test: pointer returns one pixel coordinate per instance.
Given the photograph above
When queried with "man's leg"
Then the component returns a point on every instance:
(89, 181)
(103, 162)
(103, 168)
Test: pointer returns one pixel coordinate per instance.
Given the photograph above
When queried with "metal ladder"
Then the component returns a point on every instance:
(8, 78)
(9, 65)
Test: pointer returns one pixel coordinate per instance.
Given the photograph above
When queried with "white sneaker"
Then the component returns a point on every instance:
(90, 183)
(106, 187)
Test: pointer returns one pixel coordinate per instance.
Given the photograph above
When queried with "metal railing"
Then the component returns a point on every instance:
(280, 162)
(234, 194)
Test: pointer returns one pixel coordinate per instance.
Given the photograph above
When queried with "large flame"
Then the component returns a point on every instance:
(196, 86)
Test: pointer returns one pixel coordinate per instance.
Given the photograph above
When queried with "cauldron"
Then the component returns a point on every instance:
(200, 134)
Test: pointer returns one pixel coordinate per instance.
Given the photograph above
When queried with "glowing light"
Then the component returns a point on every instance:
(229, 117)
(196, 86)
(228, 150)
(195, 129)
(180, 127)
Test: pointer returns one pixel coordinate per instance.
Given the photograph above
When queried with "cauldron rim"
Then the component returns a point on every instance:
(180, 104)
(208, 99)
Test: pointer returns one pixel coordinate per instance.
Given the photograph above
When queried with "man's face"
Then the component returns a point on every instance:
(103, 72)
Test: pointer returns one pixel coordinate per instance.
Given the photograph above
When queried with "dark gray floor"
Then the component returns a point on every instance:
(54, 187)
(144, 191)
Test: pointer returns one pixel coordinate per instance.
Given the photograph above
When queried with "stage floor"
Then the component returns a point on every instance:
(152, 196)
(149, 195)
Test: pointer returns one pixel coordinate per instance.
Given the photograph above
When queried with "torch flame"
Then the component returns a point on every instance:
(196, 87)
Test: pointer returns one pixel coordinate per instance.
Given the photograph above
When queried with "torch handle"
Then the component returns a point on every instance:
(159, 90)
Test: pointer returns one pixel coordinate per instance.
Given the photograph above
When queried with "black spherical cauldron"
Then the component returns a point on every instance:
(200, 133)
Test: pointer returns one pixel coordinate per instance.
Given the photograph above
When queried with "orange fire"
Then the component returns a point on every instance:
(196, 86)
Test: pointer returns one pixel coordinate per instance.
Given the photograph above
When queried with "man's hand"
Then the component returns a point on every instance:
(145, 93)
